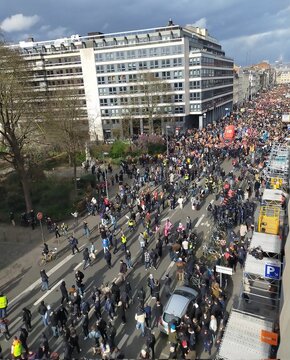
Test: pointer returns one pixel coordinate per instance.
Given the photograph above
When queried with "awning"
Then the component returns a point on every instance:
(268, 243)
(241, 338)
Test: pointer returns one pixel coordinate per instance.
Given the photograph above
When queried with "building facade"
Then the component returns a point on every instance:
(105, 70)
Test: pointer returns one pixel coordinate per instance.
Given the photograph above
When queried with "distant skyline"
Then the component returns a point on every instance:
(249, 31)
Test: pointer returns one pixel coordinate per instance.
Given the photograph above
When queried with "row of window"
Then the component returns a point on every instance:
(64, 71)
(65, 82)
(140, 53)
(63, 61)
(140, 100)
(209, 73)
(140, 65)
(207, 61)
(142, 111)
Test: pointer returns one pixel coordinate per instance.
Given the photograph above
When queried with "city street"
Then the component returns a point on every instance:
(26, 291)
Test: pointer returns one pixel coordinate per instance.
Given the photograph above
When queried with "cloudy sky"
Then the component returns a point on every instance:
(249, 30)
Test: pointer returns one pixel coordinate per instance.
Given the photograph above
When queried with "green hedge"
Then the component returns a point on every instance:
(118, 149)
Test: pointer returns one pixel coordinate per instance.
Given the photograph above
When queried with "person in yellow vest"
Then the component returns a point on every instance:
(3, 305)
(124, 242)
(16, 348)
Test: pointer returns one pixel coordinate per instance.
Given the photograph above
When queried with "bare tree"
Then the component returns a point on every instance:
(66, 125)
(19, 115)
(148, 99)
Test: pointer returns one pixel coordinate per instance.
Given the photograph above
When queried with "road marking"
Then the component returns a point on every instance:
(168, 269)
(47, 293)
(78, 265)
(199, 221)
(212, 201)
(49, 273)
(123, 340)
(14, 322)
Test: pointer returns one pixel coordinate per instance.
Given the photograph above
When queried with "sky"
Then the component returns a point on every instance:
(249, 30)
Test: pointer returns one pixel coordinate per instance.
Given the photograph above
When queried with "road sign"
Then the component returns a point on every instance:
(272, 271)
(224, 270)
(39, 216)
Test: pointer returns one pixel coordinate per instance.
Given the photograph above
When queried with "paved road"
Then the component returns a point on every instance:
(25, 290)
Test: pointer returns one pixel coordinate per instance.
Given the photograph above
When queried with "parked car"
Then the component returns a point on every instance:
(181, 301)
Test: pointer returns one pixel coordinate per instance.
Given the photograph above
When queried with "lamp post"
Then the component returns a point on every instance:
(204, 119)
(106, 179)
(167, 142)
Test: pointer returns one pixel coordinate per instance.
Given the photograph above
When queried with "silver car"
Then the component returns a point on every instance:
(182, 300)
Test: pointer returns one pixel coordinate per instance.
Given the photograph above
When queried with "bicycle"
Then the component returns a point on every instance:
(45, 258)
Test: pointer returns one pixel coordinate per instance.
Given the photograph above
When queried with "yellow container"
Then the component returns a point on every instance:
(269, 220)
(276, 183)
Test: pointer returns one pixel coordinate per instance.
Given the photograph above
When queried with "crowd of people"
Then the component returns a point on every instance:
(192, 170)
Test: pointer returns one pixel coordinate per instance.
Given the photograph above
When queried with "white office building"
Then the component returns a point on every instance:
(105, 69)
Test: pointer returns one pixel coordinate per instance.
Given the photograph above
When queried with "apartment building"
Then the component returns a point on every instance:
(106, 71)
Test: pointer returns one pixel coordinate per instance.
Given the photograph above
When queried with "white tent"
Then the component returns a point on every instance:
(257, 267)
(241, 338)
(268, 243)
(271, 195)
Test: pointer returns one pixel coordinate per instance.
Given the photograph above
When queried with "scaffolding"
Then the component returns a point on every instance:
(269, 220)
(257, 285)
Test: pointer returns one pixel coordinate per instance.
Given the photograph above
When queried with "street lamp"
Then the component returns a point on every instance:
(167, 143)
(106, 179)
(204, 119)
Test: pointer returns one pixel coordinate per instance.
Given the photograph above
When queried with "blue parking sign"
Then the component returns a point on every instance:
(272, 271)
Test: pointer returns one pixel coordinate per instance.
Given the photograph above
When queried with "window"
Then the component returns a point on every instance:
(121, 78)
(178, 98)
(115, 112)
(123, 101)
(122, 89)
(165, 63)
(178, 109)
(111, 79)
(132, 77)
(165, 74)
(113, 102)
(121, 67)
(105, 112)
(100, 69)
(194, 73)
(177, 74)
(120, 55)
(109, 56)
(154, 64)
(110, 68)
(132, 66)
(165, 50)
(101, 80)
(131, 54)
(142, 53)
(112, 90)
(154, 52)
(177, 62)
(142, 65)
(194, 96)
(195, 107)
(178, 86)
(103, 102)
(99, 57)
(194, 84)
(103, 91)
